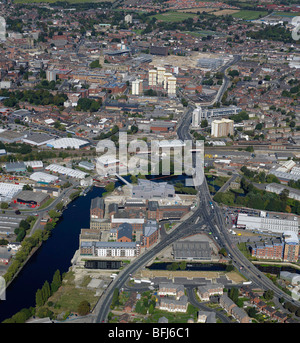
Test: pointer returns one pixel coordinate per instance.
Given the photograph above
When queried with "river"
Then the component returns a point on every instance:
(55, 253)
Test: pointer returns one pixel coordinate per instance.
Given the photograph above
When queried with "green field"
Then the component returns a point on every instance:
(174, 16)
(286, 14)
(249, 15)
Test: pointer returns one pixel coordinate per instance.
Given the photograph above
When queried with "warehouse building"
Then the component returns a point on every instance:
(56, 168)
(8, 223)
(148, 190)
(38, 139)
(35, 165)
(97, 208)
(71, 143)
(8, 136)
(191, 250)
(15, 167)
(8, 191)
(34, 199)
(44, 178)
(267, 224)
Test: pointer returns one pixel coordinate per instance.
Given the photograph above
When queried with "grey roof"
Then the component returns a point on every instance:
(10, 166)
(32, 196)
(113, 208)
(110, 245)
(153, 205)
(97, 203)
(149, 228)
(125, 230)
(191, 249)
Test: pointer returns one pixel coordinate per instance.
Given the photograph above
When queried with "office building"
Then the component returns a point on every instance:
(201, 113)
(222, 128)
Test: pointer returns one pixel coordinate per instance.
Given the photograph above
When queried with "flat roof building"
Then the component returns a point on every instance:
(31, 198)
(64, 143)
(191, 250)
(266, 224)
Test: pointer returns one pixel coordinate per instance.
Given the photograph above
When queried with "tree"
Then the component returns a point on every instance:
(269, 294)
(4, 205)
(56, 281)
(39, 298)
(59, 206)
(110, 187)
(46, 293)
(84, 308)
(115, 298)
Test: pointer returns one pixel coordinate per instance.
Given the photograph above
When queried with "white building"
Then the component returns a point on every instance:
(34, 164)
(128, 19)
(51, 75)
(166, 78)
(56, 168)
(152, 77)
(172, 85)
(115, 249)
(137, 87)
(2, 29)
(64, 143)
(222, 128)
(267, 224)
(160, 75)
(42, 177)
(5, 84)
(9, 190)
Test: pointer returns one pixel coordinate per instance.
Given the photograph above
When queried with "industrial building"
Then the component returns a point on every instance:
(278, 188)
(8, 191)
(65, 143)
(267, 224)
(97, 208)
(9, 222)
(41, 177)
(146, 189)
(35, 165)
(34, 199)
(38, 139)
(15, 167)
(191, 250)
(56, 168)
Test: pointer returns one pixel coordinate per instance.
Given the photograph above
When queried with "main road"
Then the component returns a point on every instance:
(207, 213)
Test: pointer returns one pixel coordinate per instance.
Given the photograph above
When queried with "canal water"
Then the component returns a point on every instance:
(56, 252)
